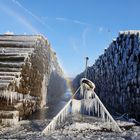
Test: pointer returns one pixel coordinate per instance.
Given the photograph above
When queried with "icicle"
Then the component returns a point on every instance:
(17, 80)
(98, 109)
(103, 114)
(81, 91)
(89, 94)
(114, 127)
(96, 106)
(85, 104)
(60, 116)
(76, 106)
(10, 95)
(44, 91)
(11, 98)
(93, 108)
(88, 105)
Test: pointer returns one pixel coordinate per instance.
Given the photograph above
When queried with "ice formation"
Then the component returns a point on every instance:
(10, 95)
(44, 91)
(10, 117)
(90, 104)
(76, 106)
(95, 107)
(61, 116)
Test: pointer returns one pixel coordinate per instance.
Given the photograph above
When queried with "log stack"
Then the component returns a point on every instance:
(26, 64)
(116, 74)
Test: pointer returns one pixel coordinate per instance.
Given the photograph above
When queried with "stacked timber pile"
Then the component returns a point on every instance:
(26, 63)
(116, 74)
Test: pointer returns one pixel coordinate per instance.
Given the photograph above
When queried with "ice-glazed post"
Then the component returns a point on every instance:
(86, 67)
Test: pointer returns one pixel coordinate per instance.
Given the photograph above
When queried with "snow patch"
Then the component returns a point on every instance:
(84, 126)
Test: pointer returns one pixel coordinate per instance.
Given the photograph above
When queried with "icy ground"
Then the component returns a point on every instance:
(24, 130)
(75, 128)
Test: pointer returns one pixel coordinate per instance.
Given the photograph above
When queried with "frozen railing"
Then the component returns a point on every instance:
(90, 103)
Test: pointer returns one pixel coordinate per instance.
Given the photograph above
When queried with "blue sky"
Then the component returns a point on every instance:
(75, 28)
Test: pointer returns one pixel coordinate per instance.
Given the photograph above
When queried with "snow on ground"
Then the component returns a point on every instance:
(75, 128)
(83, 128)
(24, 130)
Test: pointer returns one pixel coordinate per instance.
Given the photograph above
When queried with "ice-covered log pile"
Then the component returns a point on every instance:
(26, 65)
(116, 74)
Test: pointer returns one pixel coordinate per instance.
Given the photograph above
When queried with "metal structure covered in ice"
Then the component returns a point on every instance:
(26, 65)
(89, 104)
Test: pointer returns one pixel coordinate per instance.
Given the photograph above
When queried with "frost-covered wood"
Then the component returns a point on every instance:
(116, 74)
(76, 106)
(26, 65)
